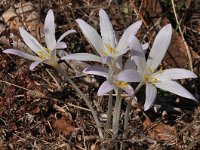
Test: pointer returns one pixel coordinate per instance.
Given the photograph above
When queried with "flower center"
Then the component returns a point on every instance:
(110, 49)
(44, 55)
(149, 79)
(121, 84)
(152, 79)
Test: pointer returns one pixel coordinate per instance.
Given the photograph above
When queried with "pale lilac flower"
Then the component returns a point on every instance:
(114, 81)
(106, 45)
(163, 79)
(44, 55)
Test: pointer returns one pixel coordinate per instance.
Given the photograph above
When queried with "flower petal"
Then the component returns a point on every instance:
(151, 93)
(159, 47)
(130, 64)
(97, 70)
(91, 35)
(105, 87)
(82, 57)
(34, 64)
(49, 30)
(175, 73)
(64, 35)
(21, 54)
(123, 44)
(129, 90)
(105, 59)
(128, 76)
(31, 42)
(107, 32)
(175, 88)
(145, 47)
(61, 45)
(137, 54)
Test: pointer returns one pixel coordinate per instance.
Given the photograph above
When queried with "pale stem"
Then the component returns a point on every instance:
(128, 108)
(116, 114)
(109, 112)
(94, 114)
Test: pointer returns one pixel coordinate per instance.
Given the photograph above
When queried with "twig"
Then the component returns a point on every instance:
(15, 85)
(78, 107)
(59, 70)
(184, 41)
(138, 13)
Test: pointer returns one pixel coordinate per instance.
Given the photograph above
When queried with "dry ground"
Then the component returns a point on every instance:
(39, 110)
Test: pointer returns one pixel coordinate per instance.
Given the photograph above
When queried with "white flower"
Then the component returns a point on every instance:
(106, 45)
(44, 55)
(115, 81)
(152, 77)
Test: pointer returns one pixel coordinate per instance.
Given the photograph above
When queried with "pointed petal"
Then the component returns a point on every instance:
(34, 64)
(151, 93)
(61, 53)
(123, 44)
(49, 30)
(82, 57)
(21, 54)
(105, 87)
(137, 54)
(129, 76)
(91, 35)
(175, 88)
(64, 35)
(61, 45)
(30, 41)
(107, 32)
(129, 90)
(159, 47)
(145, 47)
(175, 73)
(97, 70)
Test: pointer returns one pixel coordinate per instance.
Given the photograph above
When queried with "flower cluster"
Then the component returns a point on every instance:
(109, 55)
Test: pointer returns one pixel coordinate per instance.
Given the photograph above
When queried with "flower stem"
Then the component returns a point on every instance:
(61, 71)
(116, 114)
(128, 108)
(109, 112)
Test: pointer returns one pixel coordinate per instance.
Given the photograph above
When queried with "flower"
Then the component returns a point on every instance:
(162, 79)
(106, 45)
(44, 55)
(114, 81)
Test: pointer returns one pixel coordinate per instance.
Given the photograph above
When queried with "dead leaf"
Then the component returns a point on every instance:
(35, 94)
(23, 12)
(160, 132)
(64, 126)
(95, 147)
(177, 52)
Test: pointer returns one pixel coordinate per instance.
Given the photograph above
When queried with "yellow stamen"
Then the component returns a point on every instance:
(121, 84)
(44, 55)
(41, 54)
(48, 50)
(149, 79)
(150, 70)
(110, 48)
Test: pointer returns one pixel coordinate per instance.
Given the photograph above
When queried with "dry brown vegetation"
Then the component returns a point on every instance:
(39, 110)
